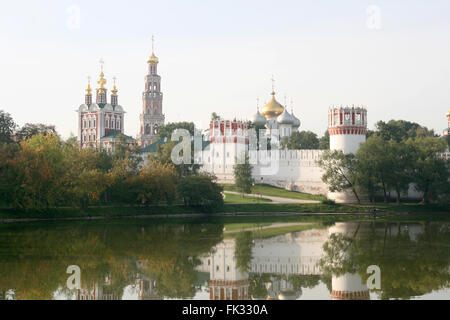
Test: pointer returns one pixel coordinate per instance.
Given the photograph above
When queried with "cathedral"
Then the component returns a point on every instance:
(100, 123)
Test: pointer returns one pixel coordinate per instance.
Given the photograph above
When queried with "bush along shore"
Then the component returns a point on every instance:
(261, 209)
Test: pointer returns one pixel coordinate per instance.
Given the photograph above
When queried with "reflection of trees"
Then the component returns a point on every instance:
(257, 288)
(243, 250)
(36, 257)
(409, 267)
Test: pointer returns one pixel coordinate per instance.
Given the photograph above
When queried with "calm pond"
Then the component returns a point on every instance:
(149, 259)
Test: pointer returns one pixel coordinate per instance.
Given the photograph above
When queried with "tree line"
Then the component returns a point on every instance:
(39, 170)
(397, 155)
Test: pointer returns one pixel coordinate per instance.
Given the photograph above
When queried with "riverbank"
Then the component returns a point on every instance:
(236, 210)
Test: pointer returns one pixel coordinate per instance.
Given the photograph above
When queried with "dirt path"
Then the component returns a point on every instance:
(276, 199)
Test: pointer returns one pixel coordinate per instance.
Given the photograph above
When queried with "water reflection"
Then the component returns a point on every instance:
(146, 260)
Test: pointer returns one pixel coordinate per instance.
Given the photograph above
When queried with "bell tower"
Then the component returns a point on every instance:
(151, 117)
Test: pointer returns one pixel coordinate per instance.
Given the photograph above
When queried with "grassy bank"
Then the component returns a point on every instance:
(268, 190)
(257, 208)
(235, 198)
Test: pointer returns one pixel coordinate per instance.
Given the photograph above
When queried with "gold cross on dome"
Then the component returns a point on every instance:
(273, 83)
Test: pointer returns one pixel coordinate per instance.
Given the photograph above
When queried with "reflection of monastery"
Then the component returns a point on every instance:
(291, 254)
(280, 257)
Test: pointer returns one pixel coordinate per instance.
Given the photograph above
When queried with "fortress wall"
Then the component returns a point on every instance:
(292, 169)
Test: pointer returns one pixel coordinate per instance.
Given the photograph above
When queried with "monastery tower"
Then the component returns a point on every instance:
(151, 117)
(347, 127)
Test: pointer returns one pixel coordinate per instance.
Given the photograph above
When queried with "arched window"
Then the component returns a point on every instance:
(155, 129)
(94, 123)
(147, 129)
(118, 123)
(112, 123)
(107, 123)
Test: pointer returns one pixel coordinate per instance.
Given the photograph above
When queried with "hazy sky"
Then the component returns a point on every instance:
(392, 56)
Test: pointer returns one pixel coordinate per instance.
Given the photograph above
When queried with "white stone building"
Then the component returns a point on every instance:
(293, 169)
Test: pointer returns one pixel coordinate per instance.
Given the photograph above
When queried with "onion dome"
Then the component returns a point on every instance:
(295, 120)
(258, 119)
(153, 59)
(101, 81)
(448, 113)
(285, 118)
(114, 90)
(273, 108)
(89, 89)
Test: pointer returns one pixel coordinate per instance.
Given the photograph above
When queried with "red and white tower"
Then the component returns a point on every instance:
(347, 127)
(151, 117)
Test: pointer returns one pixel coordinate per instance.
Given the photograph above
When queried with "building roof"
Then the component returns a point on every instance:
(152, 147)
(114, 133)
(205, 144)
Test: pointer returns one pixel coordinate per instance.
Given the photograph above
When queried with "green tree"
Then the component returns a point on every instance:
(165, 132)
(243, 175)
(155, 184)
(164, 155)
(374, 165)
(32, 129)
(302, 140)
(324, 141)
(35, 173)
(243, 251)
(201, 191)
(401, 130)
(340, 171)
(7, 127)
(429, 170)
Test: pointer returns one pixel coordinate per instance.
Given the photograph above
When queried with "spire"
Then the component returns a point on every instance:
(114, 100)
(89, 89)
(273, 86)
(257, 104)
(114, 90)
(153, 59)
(101, 90)
(101, 81)
(88, 96)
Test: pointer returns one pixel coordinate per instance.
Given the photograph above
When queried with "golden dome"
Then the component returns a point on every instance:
(153, 59)
(273, 108)
(114, 90)
(101, 81)
(448, 113)
(89, 89)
